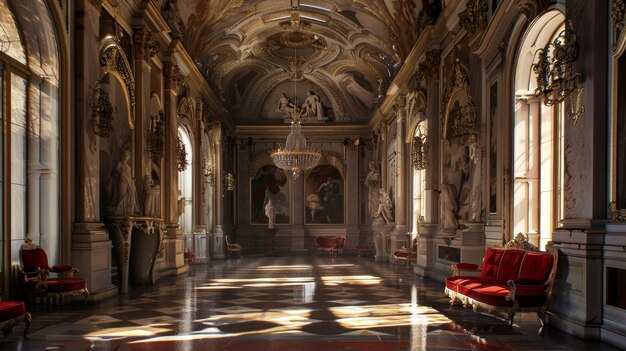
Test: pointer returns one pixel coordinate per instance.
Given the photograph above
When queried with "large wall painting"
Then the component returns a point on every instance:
(269, 182)
(323, 193)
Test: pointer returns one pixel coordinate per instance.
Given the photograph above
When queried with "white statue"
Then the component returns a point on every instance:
(384, 210)
(476, 203)
(125, 196)
(270, 212)
(449, 206)
(151, 197)
(312, 106)
(372, 182)
(284, 105)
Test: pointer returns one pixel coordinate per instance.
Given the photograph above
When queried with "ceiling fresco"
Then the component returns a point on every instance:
(344, 53)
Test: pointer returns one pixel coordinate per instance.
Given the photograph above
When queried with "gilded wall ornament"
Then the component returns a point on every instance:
(113, 60)
(474, 18)
(619, 22)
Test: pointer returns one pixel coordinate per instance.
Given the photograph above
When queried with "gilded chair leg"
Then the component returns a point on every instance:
(86, 293)
(27, 320)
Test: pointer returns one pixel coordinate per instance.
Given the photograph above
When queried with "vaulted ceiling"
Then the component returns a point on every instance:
(345, 51)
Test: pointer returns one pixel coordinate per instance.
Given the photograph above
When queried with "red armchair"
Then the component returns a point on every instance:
(407, 256)
(340, 242)
(11, 314)
(37, 281)
(326, 243)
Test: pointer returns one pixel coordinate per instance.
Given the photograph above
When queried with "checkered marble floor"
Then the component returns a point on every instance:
(285, 303)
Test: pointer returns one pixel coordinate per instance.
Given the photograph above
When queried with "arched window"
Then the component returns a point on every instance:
(537, 140)
(29, 101)
(418, 160)
(185, 187)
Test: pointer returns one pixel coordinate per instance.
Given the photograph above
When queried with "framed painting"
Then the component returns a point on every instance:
(269, 183)
(323, 194)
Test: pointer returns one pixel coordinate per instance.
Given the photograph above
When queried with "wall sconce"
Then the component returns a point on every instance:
(101, 112)
(556, 80)
(156, 137)
(181, 155)
(209, 174)
(229, 182)
(418, 150)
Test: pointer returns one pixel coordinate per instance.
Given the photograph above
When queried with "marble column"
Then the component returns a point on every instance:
(91, 246)
(352, 195)
(173, 242)
(299, 242)
(217, 240)
(399, 235)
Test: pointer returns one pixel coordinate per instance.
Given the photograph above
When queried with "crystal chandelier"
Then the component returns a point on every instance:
(296, 156)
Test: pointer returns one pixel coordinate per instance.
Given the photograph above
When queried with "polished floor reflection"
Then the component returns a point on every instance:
(285, 303)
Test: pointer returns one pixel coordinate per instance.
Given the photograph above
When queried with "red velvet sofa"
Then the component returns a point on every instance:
(11, 314)
(510, 281)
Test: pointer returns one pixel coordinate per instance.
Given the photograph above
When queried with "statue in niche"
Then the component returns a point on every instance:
(285, 107)
(476, 203)
(125, 196)
(312, 106)
(449, 205)
(151, 197)
(372, 182)
(270, 212)
(385, 209)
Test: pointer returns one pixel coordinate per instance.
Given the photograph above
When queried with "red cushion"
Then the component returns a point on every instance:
(65, 284)
(491, 262)
(495, 295)
(466, 266)
(11, 309)
(509, 264)
(463, 283)
(62, 268)
(536, 267)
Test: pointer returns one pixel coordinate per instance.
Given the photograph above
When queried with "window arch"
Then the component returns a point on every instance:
(537, 140)
(185, 188)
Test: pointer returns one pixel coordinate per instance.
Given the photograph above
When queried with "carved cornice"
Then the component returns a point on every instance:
(429, 67)
(619, 22)
(474, 18)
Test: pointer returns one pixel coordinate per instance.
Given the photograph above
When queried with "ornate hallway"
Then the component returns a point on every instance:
(288, 304)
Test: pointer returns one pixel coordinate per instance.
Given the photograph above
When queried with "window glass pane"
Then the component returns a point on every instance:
(10, 42)
(18, 163)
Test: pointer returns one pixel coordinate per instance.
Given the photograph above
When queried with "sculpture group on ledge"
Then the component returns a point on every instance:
(312, 106)
(126, 201)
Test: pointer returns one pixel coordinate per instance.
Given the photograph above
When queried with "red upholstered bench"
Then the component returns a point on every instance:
(11, 314)
(510, 281)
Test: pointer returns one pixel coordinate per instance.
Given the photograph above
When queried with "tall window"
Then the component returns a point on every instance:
(537, 141)
(185, 187)
(418, 160)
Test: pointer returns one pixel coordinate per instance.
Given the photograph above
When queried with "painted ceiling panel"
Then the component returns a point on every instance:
(344, 53)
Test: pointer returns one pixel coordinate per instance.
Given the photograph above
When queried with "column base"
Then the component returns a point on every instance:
(579, 330)
(91, 253)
